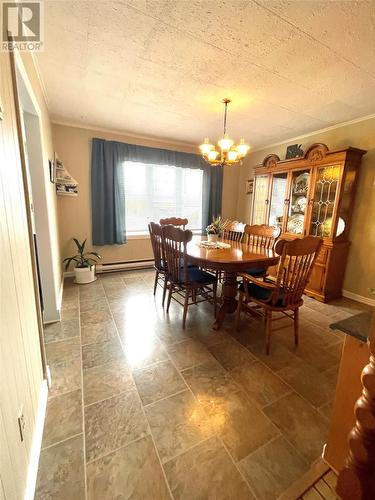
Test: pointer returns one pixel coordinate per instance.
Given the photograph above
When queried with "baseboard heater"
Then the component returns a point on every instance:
(129, 265)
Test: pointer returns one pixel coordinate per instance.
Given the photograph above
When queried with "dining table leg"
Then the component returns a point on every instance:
(229, 304)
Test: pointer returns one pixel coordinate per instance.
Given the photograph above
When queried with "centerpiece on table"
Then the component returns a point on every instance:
(215, 229)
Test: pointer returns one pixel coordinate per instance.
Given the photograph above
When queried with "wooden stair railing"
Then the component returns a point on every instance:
(357, 479)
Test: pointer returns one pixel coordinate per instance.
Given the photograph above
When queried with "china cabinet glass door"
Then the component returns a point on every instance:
(260, 199)
(297, 201)
(277, 202)
(326, 186)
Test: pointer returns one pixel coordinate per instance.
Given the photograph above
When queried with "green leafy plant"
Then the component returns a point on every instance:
(82, 258)
(217, 226)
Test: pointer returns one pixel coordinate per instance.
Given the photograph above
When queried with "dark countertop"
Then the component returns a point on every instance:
(357, 326)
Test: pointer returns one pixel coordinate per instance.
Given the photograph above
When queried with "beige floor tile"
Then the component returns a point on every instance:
(61, 330)
(240, 424)
(259, 382)
(101, 353)
(110, 278)
(113, 423)
(63, 350)
(177, 423)
(93, 304)
(207, 336)
(230, 353)
(100, 332)
(132, 472)
(279, 357)
(206, 472)
(69, 311)
(315, 386)
(61, 471)
(317, 357)
(63, 418)
(65, 376)
(158, 381)
(105, 381)
(209, 380)
(91, 292)
(188, 353)
(273, 468)
(171, 333)
(95, 317)
(141, 352)
(300, 423)
(121, 454)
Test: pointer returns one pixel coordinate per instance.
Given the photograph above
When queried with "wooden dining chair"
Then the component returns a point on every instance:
(233, 231)
(284, 295)
(263, 237)
(160, 265)
(184, 282)
(174, 221)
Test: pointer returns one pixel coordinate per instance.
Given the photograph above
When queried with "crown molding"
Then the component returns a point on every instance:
(315, 132)
(190, 147)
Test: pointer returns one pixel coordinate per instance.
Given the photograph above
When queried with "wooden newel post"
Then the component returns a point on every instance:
(357, 480)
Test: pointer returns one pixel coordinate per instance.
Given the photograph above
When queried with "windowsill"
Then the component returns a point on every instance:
(146, 236)
(137, 236)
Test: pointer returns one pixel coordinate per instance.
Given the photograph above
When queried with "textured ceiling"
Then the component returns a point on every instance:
(160, 68)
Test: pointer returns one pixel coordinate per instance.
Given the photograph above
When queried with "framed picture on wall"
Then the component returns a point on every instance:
(249, 186)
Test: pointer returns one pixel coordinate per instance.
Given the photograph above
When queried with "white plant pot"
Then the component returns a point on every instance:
(84, 275)
(213, 237)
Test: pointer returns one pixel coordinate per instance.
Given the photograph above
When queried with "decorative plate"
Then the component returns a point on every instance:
(295, 224)
(301, 183)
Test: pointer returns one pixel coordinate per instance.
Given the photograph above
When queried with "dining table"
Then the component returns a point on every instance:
(235, 258)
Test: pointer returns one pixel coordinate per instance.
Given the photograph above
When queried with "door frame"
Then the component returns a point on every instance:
(17, 104)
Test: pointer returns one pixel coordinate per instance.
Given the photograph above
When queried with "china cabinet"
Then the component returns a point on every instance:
(311, 195)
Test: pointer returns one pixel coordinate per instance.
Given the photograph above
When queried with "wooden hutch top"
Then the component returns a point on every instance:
(317, 154)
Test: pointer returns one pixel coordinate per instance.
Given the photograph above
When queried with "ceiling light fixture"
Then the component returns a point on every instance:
(229, 153)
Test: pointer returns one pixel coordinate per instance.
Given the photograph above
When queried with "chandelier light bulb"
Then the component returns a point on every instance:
(212, 155)
(225, 143)
(243, 148)
(206, 147)
(232, 156)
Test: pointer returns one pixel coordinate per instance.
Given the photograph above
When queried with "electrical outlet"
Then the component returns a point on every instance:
(21, 424)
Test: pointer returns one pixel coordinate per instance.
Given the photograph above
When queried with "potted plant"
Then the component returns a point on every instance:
(215, 229)
(84, 269)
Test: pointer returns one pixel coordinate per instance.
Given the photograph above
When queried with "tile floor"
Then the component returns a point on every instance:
(141, 409)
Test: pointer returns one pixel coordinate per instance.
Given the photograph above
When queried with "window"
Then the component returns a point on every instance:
(153, 192)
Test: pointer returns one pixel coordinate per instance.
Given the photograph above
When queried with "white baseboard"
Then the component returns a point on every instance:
(36, 445)
(359, 298)
(122, 266)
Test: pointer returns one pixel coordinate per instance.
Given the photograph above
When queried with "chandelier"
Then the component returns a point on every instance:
(229, 153)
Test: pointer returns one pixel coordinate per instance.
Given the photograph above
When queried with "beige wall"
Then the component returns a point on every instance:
(360, 271)
(73, 146)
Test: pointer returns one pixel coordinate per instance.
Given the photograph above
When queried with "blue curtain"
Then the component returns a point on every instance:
(107, 185)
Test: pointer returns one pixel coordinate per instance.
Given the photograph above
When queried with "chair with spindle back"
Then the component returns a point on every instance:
(233, 231)
(174, 221)
(184, 281)
(160, 265)
(284, 295)
(260, 236)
